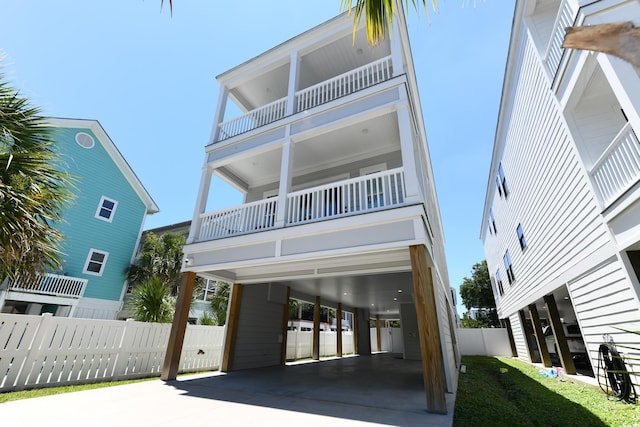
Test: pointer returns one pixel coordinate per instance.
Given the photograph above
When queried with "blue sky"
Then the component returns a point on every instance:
(149, 78)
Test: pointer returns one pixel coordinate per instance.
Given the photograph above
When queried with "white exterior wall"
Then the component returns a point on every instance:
(569, 242)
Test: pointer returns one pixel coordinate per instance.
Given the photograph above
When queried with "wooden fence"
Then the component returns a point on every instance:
(44, 351)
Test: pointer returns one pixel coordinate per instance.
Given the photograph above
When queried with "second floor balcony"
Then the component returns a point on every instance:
(51, 284)
(374, 192)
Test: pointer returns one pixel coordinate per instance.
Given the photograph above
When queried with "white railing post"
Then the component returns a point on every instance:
(411, 177)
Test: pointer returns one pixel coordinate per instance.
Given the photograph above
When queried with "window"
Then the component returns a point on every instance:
(492, 221)
(106, 209)
(85, 140)
(507, 265)
(502, 181)
(499, 186)
(499, 281)
(95, 263)
(523, 242)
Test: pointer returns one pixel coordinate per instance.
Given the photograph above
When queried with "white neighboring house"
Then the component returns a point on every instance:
(331, 154)
(561, 223)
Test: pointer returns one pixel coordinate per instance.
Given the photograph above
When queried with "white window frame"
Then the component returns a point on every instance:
(101, 206)
(92, 251)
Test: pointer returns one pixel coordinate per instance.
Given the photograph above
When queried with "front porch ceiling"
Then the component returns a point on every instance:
(379, 282)
(376, 136)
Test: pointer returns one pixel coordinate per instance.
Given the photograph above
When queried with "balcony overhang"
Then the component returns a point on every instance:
(327, 258)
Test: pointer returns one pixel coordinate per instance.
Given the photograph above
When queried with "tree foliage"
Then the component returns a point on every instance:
(378, 15)
(220, 302)
(33, 191)
(150, 301)
(476, 291)
(160, 257)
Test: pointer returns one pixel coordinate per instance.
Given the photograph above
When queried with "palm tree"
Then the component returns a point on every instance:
(220, 302)
(378, 15)
(33, 191)
(151, 301)
(161, 257)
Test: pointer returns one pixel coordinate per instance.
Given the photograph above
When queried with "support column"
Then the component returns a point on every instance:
(378, 337)
(537, 330)
(285, 328)
(231, 332)
(286, 170)
(315, 353)
(219, 117)
(294, 76)
(356, 350)
(408, 154)
(178, 328)
(201, 203)
(525, 333)
(339, 330)
(428, 331)
(506, 323)
(558, 335)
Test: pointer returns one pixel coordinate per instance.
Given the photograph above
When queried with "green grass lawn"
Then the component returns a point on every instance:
(510, 393)
(48, 391)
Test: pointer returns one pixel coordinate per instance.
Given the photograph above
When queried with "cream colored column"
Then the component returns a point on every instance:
(286, 170)
(405, 126)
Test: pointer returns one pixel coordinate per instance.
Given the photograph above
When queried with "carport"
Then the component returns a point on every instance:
(258, 317)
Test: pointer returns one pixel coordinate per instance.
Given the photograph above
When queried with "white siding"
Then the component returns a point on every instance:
(259, 328)
(604, 303)
(549, 194)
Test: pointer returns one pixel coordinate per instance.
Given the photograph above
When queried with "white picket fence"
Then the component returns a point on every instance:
(484, 342)
(300, 344)
(43, 351)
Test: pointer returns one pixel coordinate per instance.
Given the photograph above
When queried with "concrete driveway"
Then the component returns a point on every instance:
(365, 390)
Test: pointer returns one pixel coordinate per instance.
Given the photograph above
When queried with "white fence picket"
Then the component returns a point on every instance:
(44, 351)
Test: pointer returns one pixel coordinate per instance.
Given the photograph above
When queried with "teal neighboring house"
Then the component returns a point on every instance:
(101, 228)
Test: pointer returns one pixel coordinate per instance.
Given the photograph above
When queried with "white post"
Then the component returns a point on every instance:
(286, 169)
(408, 154)
(219, 117)
(201, 203)
(396, 51)
(293, 83)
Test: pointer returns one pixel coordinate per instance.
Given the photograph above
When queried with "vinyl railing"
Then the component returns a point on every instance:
(51, 284)
(344, 84)
(357, 195)
(259, 117)
(250, 217)
(618, 168)
(565, 18)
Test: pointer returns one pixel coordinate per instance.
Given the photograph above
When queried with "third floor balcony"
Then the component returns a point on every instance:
(320, 66)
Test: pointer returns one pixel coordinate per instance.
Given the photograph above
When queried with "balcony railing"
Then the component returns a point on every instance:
(256, 216)
(255, 118)
(51, 284)
(342, 85)
(565, 18)
(618, 168)
(357, 195)
(377, 191)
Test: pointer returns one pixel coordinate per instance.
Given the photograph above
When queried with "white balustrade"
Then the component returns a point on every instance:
(250, 217)
(255, 118)
(344, 84)
(51, 284)
(566, 16)
(357, 195)
(618, 168)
